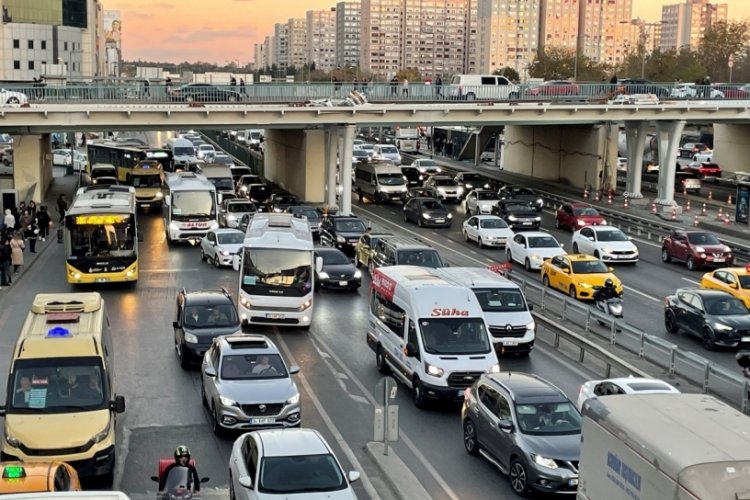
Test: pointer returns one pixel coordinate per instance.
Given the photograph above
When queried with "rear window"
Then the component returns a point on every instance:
(649, 386)
(423, 258)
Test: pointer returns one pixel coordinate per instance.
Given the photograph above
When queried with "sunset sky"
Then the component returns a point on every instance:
(222, 31)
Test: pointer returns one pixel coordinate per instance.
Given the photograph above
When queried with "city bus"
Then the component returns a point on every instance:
(189, 207)
(100, 235)
(127, 156)
(407, 139)
(276, 271)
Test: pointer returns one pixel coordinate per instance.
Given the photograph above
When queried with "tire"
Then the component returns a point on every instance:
(203, 394)
(217, 262)
(691, 264)
(13, 100)
(189, 98)
(380, 361)
(596, 254)
(371, 267)
(518, 478)
(670, 323)
(479, 242)
(545, 281)
(420, 223)
(406, 217)
(527, 265)
(513, 95)
(471, 444)
(203, 255)
(184, 364)
(708, 340)
(466, 236)
(232, 98)
(420, 400)
(665, 255)
(572, 292)
(575, 247)
(232, 494)
(215, 427)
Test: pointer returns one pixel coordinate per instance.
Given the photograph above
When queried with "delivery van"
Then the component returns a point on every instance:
(380, 181)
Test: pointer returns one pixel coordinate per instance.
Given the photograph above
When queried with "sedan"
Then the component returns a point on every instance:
(280, 202)
(607, 243)
(203, 92)
(624, 385)
(312, 214)
(427, 166)
(338, 271)
(204, 152)
(555, 88)
(733, 280)
(518, 214)
(290, 464)
(578, 275)
(471, 180)
(487, 230)
(220, 245)
(532, 248)
(447, 188)
(715, 317)
(10, 97)
(481, 201)
(427, 212)
(577, 215)
(360, 156)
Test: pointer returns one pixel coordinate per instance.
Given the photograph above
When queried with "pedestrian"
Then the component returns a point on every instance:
(394, 85)
(242, 86)
(22, 207)
(34, 209)
(9, 220)
(336, 85)
(31, 232)
(439, 86)
(62, 207)
(613, 80)
(5, 258)
(16, 251)
(43, 221)
(405, 88)
(25, 218)
(146, 88)
(232, 82)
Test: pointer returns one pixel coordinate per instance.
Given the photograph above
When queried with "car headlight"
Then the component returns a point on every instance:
(277, 210)
(545, 462)
(607, 250)
(450, 216)
(512, 217)
(243, 189)
(584, 285)
(159, 195)
(530, 327)
(190, 338)
(494, 368)
(305, 305)
(227, 402)
(323, 275)
(460, 190)
(422, 170)
(727, 249)
(245, 302)
(340, 239)
(224, 253)
(357, 274)
(102, 435)
(722, 327)
(11, 440)
(427, 216)
(581, 222)
(293, 400)
(539, 201)
(700, 249)
(433, 370)
(469, 186)
(538, 219)
(231, 217)
(173, 226)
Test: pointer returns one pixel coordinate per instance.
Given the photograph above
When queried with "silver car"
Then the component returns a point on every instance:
(232, 211)
(246, 385)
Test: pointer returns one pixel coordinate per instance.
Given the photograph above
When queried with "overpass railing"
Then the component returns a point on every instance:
(297, 93)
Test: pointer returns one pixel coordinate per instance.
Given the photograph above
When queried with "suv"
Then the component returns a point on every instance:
(446, 187)
(394, 251)
(246, 385)
(518, 214)
(342, 232)
(201, 316)
(527, 428)
(697, 249)
(232, 211)
(253, 187)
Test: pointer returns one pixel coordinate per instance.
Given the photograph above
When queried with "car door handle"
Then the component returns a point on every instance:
(492, 425)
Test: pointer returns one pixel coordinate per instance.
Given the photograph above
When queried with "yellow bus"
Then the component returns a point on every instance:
(101, 235)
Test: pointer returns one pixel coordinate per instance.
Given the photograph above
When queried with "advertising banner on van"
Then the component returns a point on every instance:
(383, 285)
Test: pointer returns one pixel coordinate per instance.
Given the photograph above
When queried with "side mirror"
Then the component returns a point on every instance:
(353, 476)
(591, 238)
(118, 405)
(140, 234)
(531, 307)
(209, 371)
(2, 411)
(611, 269)
(245, 481)
(223, 210)
(733, 285)
(155, 479)
(60, 235)
(168, 200)
(318, 264)
(505, 425)
(175, 324)
(410, 350)
(293, 369)
(236, 262)
(566, 271)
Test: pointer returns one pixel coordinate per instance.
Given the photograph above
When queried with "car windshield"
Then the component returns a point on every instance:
(590, 212)
(252, 366)
(543, 242)
(193, 204)
(310, 213)
(285, 200)
(703, 239)
(472, 177)
(223, 159)
(427, 164)
(445, 182)
(350, 226)
(462, 336)
(486, 195)
(589, 267)
(58, 385)
(493, 224)
(390, 150)
(275, 272)
(523, 191)
(432, 205)
(744, 281)
(183, 151)
(422, 258)
(517, 207)
(725, 306)
(146, 180)
(333, 258)
(611, 235)
(391, 179)
(500, 300)
(360, 153)
(241, 207)
(231, 238)
(303, 474)
(548, 418)
(211, 316)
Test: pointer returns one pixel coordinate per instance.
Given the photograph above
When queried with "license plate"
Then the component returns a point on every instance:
(439, 220)
(745, 339)
(510, 343)
(718, 259)
(573, 482)
(275, 316)
(343, 283)
(262, 421)
(527, 223)
(102, 280)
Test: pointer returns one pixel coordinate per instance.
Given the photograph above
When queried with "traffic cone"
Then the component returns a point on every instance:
(653, 208)
(726, 220)
(687, 206)
(720, 215)
(597, 196)
(684, 191)
(674, 214)
(609, 199)
(585, 194)
(695, 221)
(729, 200)
(703, 210)
(710, 195)
(625, 203)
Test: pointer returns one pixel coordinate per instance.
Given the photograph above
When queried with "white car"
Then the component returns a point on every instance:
(220, 245)
(481, 201)
(531, 248)
(487, 230)
(622, 164)
(63, 158)
(289, 464)
(689, 91)
(204, 150)
(427, 166)
(606, 243)
(13, 98)
(635, 99)
(625, 385)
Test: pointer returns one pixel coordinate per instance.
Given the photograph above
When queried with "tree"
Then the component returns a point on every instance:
(410, 74)
(557, 63)
(719, 42)
(509, 73)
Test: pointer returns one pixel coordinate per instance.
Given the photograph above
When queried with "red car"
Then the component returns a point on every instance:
(732, 92)
(705, 169)
(574, 216)
(697, 249)
(555, 88)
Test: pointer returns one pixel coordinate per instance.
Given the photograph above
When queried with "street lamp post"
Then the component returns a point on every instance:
(643, 35)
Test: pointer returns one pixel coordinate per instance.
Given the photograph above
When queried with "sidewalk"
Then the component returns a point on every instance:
(61, 183)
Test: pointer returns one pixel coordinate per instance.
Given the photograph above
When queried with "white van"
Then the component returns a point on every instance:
(380, 181)
(386, 152)
(183, 152)
(508, 314)
(472, 87)
(428, 332)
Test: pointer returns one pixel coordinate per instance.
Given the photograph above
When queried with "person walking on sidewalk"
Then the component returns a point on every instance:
(43, 220)
(5, 277)
(9, 220)
(62, 207)
(16, 251)
(34, 209)
(31, 232)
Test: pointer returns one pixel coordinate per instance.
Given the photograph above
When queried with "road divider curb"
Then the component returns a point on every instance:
(399, 477)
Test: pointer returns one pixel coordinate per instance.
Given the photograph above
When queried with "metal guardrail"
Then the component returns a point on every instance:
(714, 379)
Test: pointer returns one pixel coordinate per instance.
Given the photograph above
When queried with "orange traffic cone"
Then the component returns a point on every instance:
(653, 208)
(729, 200)
(720, 215)
(609, 199)
(585, 194)
(695, 221)
(597, 196)
(684, 191)
(674, 214)
(726, 220)
(710, 195)
(625, 203)
(687, 206)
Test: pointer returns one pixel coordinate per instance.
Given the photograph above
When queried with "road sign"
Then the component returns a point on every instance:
(386, 385)
(386, 424)
(730, 63)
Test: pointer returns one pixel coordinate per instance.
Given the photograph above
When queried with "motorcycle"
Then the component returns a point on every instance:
(611, 307)
(178, 484)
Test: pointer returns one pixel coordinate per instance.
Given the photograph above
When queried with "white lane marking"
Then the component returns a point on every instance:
(369, 488)
(642, 294)
(402, 435)
(690, 281)
(170, 270)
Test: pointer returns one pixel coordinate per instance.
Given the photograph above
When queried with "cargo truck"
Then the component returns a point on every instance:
(663, 447)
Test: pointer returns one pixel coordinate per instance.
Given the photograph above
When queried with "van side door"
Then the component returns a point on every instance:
(414, 363)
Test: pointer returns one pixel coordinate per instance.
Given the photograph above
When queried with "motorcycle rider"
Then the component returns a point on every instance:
(606, 292)
(181, 459)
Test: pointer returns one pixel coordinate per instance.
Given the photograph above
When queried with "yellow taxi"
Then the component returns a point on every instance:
(577, 275)
(36, 477)
(365, 247)
(733, 280)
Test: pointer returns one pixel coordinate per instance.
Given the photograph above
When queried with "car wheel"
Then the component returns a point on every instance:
(380, 361)
(470, 438)
(509, 256)
(217, 262)
(12, 100)
(596, 254)
(204, 400)
(470, 96)
(215, 426)
(420, 400)
(575, 247)
(691, 264)
(420, 223)
(665, 257)
(670, 322)
(527, 265)
(572, 292)
(371, 267)
(708, 339)
(183, 357)
(189, 98)
(545, 281)
(466, 236)
(406, 217)
(518, 477)
(203, 256)
(479, 242)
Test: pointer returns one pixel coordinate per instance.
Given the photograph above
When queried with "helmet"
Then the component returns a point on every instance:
(181, 451)
(608, 283)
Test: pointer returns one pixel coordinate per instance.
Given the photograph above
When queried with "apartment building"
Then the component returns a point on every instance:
(321, 38)
(508, 34)
(559, 23)
(605, 30)
(684, 24)
(381, 37)
(348, 14)
(280, 46)
(296, 42)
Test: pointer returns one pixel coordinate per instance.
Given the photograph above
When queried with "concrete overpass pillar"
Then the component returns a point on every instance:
(731, 146)
(32, 172)
(669, 134)
(331, 147)
(635, 134)
(346, 170)
(295, 160)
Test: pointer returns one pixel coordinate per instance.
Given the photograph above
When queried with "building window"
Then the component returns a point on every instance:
(16, 64)
(65, 46)
(31, 44)
(31, 64)
(16, 43)
(44, 44)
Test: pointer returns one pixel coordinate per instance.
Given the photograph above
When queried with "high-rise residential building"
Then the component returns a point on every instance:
(471, 40)
(347, 33)
(559, 24)
(260, 55)
(508, 34)
(297, 42)
(684, 24)
(280, 46)
(605, 30)
(381, 37)
(321, 38)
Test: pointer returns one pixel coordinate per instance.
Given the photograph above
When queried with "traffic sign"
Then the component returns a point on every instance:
(386, 385)
(730, 63)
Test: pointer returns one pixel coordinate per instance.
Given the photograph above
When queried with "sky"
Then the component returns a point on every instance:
(223, 31)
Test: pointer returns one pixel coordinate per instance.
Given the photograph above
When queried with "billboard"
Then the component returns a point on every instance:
(112, 42)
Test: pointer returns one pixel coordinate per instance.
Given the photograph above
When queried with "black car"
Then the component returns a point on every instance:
(518, 214)
(526, 194)
(420, 192)
(413, 176)
(201, 316)
(253, 187)
(427, 212)
(342, 232)
(641, 86)
(527, 428)
(238, 171)
(279, 202)
(717, 318)
(472, 180)
(338, 271)
(313, 215)
(203, 92)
